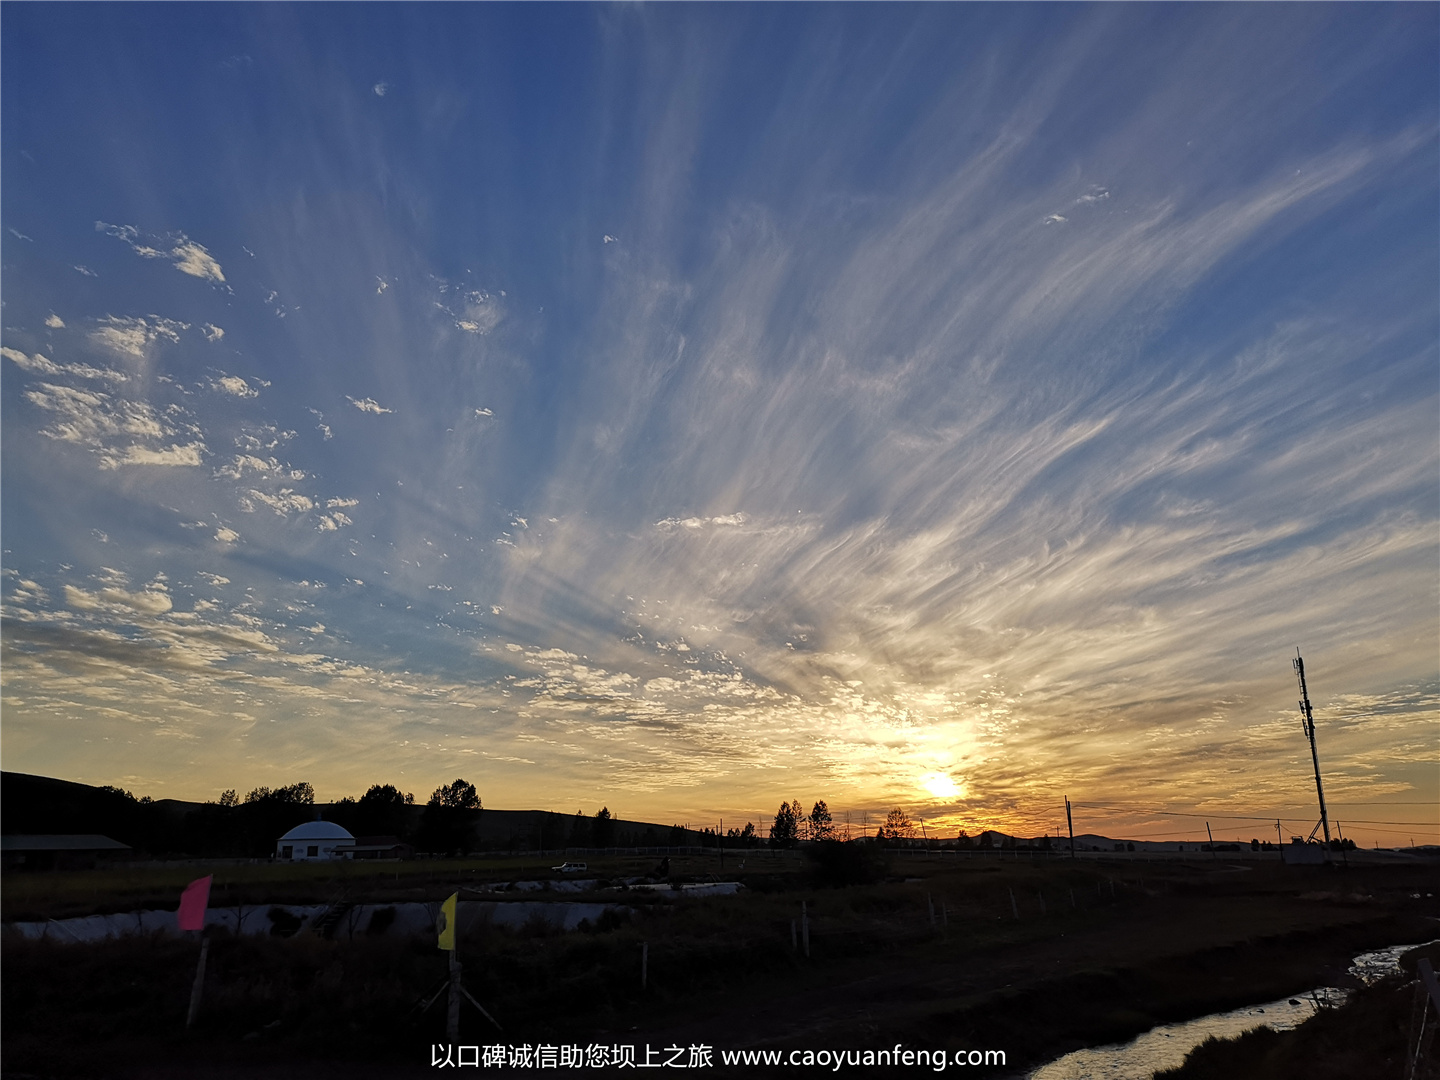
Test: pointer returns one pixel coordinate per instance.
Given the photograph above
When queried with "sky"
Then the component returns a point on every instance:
(686, 408)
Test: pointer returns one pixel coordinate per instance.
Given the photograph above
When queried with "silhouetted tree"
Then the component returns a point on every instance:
(898, 825)
(301, 794)
(821, 827)
(743, 837)
(579, 830)
(448, 822)
(602, 829)
(457, 796)
(343, 812)
(384, 810)
(786, 830)
(266, 815)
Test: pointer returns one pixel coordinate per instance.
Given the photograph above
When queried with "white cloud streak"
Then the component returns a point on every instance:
(368, 405)
(185, 254)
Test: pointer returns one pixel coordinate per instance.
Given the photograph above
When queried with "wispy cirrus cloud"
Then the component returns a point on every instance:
(134, 336)
(185, 254)
(956, 438)
(37, 364)
(235, 386)
(368, 405)
(118, 431)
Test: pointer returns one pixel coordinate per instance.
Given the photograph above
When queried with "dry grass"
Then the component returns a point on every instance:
(1100, 950)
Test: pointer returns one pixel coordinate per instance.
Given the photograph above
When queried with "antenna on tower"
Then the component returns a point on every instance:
(1308, 719)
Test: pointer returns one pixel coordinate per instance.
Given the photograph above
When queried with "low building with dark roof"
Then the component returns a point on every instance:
(65, 851)
(381, 847)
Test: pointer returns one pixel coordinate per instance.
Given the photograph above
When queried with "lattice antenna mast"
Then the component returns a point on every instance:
(1309, 723)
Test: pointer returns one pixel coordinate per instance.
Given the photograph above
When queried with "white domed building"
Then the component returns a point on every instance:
(315, 840)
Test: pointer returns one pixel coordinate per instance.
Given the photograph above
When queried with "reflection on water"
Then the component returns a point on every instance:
(1165, 1047)
(1371, 967)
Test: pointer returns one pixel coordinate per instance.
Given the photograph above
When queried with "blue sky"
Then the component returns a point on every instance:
(688, 407)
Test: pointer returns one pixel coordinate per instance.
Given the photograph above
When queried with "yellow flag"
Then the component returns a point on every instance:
(445, 924)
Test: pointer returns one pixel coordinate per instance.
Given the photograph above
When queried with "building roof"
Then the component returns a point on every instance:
(60, 842)
(317, 830)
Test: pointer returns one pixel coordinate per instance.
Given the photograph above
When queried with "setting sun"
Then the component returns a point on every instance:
(940, 785)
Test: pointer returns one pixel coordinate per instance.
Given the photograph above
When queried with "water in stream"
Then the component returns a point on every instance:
(1165, 1047)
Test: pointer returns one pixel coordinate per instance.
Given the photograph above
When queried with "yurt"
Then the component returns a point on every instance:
(315, 840)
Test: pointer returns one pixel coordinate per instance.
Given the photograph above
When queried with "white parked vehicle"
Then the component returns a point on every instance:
(570, 868)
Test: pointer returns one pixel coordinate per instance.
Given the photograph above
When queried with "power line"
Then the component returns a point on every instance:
(1242, 817)
(1416, 824)
(1176, 813)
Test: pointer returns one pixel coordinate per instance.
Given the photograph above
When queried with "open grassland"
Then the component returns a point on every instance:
(1085, 952)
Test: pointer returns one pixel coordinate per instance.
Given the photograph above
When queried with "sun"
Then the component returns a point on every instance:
(940, 785)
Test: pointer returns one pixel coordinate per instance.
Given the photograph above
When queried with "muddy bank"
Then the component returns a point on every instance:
(923, 1002)
(1366, 1038)
(1053, 1017)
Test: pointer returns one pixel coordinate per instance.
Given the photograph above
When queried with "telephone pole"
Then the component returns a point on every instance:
(1309, 723)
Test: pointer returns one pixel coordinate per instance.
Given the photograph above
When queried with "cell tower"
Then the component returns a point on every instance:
(1308, 718)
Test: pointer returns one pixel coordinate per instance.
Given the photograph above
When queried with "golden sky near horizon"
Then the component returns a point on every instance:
(945, 408)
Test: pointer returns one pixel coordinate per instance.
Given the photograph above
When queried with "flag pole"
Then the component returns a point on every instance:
(191, 916)
(199, 981)
(446, 925)
(452, 1018)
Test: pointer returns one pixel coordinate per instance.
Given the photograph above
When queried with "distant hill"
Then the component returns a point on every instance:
(46, 805)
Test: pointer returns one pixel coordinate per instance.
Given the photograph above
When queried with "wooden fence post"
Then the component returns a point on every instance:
(452, 1016)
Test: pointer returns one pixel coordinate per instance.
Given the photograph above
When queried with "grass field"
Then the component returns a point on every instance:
(1099, 950)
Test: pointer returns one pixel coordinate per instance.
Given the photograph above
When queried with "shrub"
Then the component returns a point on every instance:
(838, 863)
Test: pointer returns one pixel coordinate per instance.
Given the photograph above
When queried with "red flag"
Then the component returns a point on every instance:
(193, 902)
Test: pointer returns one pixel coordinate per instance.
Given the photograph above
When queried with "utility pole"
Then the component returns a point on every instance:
(1071, 823)
(1309, 723)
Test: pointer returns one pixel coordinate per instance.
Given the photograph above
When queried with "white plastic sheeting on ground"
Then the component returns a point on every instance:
(415, 919)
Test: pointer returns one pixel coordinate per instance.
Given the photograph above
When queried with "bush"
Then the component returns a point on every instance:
(837, 863)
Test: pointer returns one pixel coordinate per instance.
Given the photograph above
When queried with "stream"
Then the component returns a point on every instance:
(1165, 1047)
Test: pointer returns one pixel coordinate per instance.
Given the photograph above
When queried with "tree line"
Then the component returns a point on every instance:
(248, 826)
(444, 824)
(235, 826)
(793, 825)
